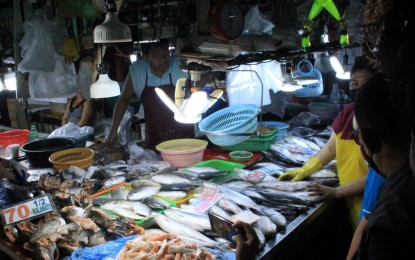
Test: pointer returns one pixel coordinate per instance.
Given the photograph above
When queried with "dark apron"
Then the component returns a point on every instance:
(160, 125)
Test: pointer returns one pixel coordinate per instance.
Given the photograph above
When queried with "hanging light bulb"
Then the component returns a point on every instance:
(344, 38)
(112, 30)
(190, 110)
(305, 41)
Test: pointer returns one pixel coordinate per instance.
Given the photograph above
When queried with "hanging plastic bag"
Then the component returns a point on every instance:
(309, 90)
(245, 85)
(37, 46)
(61, 83)
(255, 23)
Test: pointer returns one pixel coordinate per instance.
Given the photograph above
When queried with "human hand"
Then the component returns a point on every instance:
(247, 245)
(324, 192)
(293, 175)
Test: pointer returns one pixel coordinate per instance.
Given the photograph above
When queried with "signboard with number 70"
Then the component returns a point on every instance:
(26, 210)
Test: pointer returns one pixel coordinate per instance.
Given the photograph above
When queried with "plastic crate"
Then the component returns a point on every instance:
(255, 143)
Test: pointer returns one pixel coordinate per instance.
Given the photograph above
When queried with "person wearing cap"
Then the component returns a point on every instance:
(156, 69)
(79, 109)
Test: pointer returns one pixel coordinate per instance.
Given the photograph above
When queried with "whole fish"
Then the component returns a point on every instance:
(113, 181)
(98, 201)
(253, 194)
(179, 187)
(219, 211)
(200, 169)
(173, 195)
(302, 142)
(128, 213)
(173, 227)
(210, 175)
(193, 219)
(276, 217)
(119, 194)
(239, 198)
(282, 196)
(229, 206)
(285, 185)
(143, 192)
(169, 179)
(319, 141)
(267, 227)
(156, 203)
(144, 181)
(238, 184)
(136, 206)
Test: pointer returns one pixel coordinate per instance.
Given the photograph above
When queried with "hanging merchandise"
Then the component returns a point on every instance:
(318, 5)
(60, 83)
(308, 90)
(256, 23)
(37, 45)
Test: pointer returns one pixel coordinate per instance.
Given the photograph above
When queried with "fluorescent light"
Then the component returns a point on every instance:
(104, 87)
(338, 68)
(306, 80)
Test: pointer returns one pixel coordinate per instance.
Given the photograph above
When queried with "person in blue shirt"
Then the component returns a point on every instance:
(156, 69)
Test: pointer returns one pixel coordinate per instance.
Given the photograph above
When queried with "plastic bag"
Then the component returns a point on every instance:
(60, 83)
(124, 134)
(255, 23)
(72, 130)
(37, 46)
(107, 250)
(248, 84)
(307, 119)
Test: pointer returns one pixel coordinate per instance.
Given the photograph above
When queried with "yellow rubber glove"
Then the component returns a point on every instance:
(70, 49)
(313, 165)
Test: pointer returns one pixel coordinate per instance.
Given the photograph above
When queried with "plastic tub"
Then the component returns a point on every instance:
(182, 152)
(18, 136)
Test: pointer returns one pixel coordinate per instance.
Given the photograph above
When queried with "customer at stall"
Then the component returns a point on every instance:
(384, 135)
(350, 163)
(247, 244)
(157, 69)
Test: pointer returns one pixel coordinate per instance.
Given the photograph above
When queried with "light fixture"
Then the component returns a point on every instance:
(189, 110)
(104, 87)
(338, 68)
(112, 30)
(344, 38)
(10, 80)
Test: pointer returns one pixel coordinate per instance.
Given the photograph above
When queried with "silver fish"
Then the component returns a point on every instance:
(128, 213)
(173, 227)
(119, 194)
(285, 185)
(238, 184)
(196, 220)
(173, 195)
(146, 181)
(219, 211)
(136, 206)
(98, 201)
(266, 226)
(253, 194)
(156, 203)
(199, 169)
(179, 187)
(114, 181)
(169, 179)
(239, 198)
(143, 192)
(276, 217)
(229, 206)
(324, 173)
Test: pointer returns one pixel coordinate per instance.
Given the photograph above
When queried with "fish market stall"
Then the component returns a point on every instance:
(163, 208)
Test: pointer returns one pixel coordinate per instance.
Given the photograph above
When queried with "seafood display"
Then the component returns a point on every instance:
(121, 199)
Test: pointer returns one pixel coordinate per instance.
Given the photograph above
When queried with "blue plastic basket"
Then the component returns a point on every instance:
(310, 90)
(281, 126)
(230, 125)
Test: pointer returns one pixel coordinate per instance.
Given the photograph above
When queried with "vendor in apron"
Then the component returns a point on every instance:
(157, 69)
(351, 166)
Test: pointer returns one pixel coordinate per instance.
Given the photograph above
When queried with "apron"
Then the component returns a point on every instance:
(350, 167)
(160, 124)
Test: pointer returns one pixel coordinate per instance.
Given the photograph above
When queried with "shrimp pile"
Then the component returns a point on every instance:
(162, 246)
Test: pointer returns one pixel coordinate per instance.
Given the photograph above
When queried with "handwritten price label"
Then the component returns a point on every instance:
(27, 210)
(255, 176)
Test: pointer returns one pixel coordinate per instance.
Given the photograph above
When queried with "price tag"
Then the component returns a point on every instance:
(207, 199)
(256, 176)
(26, 210)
